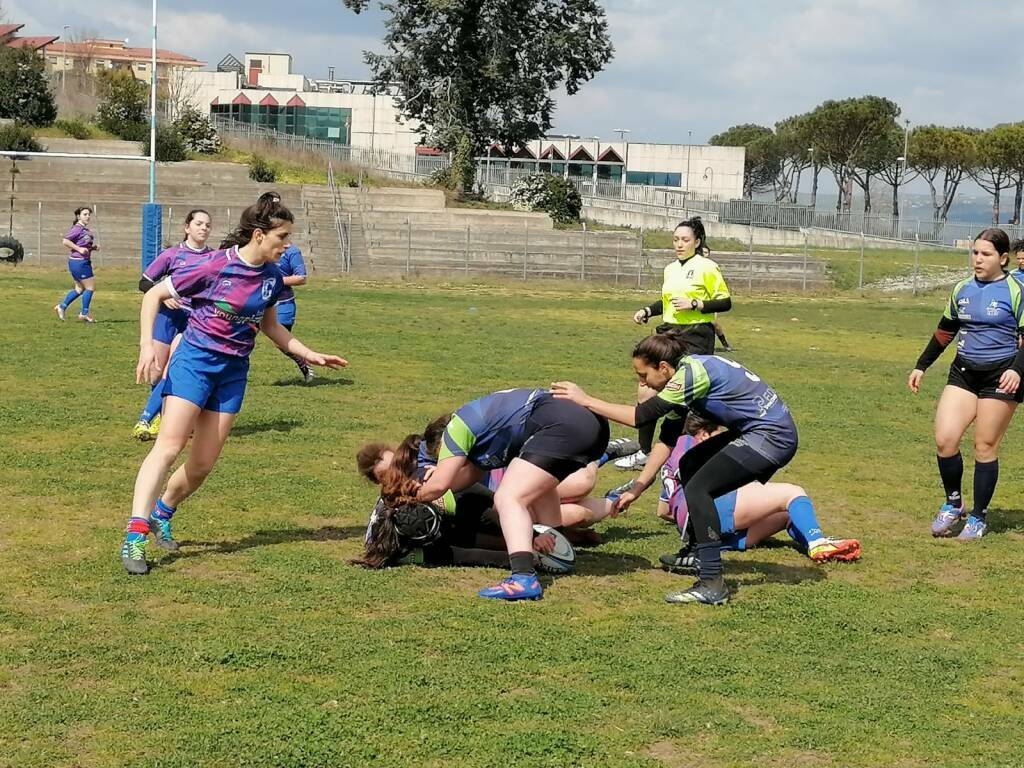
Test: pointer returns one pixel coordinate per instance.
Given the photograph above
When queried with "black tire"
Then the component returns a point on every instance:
(11, 250)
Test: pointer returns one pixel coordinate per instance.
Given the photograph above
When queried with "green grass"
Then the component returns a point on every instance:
(54, 132)
(259, 645)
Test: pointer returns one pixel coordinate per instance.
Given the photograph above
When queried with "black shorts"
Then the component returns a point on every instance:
(698, 338)
(982, 382)
(563, 437)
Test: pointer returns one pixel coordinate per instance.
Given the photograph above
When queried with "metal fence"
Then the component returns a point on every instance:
(495, 180)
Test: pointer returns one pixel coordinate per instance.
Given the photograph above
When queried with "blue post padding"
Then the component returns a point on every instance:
(152, 232)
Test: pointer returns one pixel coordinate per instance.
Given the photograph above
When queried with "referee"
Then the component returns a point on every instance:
(692, 291)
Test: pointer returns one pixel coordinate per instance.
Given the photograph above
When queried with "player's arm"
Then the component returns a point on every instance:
(71, 245)
(949, 325)
(148, 369)
(622, 414)
(718, 299)
(652, 469)
(284, 340)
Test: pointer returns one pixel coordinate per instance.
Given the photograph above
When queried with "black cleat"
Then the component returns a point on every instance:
(705, 592)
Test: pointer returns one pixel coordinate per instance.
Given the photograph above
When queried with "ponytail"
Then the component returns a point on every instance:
(265, 214)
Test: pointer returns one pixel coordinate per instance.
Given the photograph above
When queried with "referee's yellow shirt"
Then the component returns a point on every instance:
(696, 278)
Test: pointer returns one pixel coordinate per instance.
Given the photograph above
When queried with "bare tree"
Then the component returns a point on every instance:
(178, 93)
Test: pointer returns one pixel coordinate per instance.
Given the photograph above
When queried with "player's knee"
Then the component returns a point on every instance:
(793, 491)
(986, 450)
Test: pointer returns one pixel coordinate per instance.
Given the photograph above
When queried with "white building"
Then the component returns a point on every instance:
(264, 91)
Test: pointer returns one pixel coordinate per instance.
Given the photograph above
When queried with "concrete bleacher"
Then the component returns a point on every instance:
(400, 230)
(46, 192)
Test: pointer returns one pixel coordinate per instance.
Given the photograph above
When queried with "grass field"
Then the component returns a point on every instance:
(258, 645)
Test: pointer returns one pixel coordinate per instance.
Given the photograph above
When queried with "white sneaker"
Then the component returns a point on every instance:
(308, 375)
(633, 461)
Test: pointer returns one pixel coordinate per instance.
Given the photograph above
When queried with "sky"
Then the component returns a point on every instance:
(682, 68)
(679, 65)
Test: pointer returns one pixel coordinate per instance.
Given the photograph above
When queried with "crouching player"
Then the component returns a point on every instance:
(539, 441)
(748, 515)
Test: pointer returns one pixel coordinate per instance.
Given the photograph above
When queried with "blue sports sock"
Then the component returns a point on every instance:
(155, 402)
(603, 460)
(70, 298)
(710, 555)
(797, 537)
(86, 300)
(162, 512)
(803, 518)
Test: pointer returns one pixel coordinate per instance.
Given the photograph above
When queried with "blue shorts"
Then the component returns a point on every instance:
(211, 380)
(80, 269)
(286, 313)
(169, 323)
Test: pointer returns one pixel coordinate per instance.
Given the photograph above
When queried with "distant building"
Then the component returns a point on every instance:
(10, 39)
(262, 90)
(94, 55)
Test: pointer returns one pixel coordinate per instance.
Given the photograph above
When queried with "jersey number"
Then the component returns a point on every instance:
(734, 364)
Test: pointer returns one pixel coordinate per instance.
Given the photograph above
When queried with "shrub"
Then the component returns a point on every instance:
(196, 132)
(133, 132)
(123, 108)
(261, 170)
(73, 127)
(552, 194)
(18, 138)
(24, 93)
(169, 145)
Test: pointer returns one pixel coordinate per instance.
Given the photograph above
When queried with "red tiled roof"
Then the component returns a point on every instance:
(9, 29)
(101, 49)
(269, 101)
(35, 43)
(295, 101)
(215, 102)
(241, 99)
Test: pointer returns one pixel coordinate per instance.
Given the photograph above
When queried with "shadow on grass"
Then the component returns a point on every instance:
(320, 381)
(590, 563)
(192, 549)
(619, 532)
(758, 572)
(277, 425)
(1006, 521)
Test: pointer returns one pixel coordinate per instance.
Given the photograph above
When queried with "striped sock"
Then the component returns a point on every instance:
(162, 512)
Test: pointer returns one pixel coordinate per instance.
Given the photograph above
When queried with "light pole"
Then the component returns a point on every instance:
(152, 115)
(710, 172)
(64, 63)
(625, 158)
(689, 149)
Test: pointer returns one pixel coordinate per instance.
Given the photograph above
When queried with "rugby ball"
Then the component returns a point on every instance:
(561, 559)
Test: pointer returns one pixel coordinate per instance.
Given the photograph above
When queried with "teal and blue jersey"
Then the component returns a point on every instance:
(727, 393)
(491, 431)
(990, 318)
(291, 263)
(1018, 275)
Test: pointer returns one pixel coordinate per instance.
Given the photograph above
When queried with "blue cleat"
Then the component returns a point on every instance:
(518, 586)
(947, 519)
(975, 528)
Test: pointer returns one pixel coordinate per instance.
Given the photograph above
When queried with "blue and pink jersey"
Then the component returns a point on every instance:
(172, 259)
(229, 298)
(82, 237)
(291, 263)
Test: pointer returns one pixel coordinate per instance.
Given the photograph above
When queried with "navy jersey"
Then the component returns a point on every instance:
(728, 394)
(491, 431)
(990, 319)
(1018, 275)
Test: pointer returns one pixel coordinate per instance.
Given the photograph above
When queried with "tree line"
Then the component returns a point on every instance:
(861, 140)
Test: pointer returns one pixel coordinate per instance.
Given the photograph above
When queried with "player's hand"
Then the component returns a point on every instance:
(172, 303)
(148, 370)
(428, 472)
(622, 503)
(566, 390)
(914, 382)
(640, 316)
(1009, 382)
(545, 542)
(326, 361)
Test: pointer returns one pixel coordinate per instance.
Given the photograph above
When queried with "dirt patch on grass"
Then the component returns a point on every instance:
(672, 755)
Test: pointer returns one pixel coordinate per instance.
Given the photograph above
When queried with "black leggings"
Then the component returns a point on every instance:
(731, 467)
